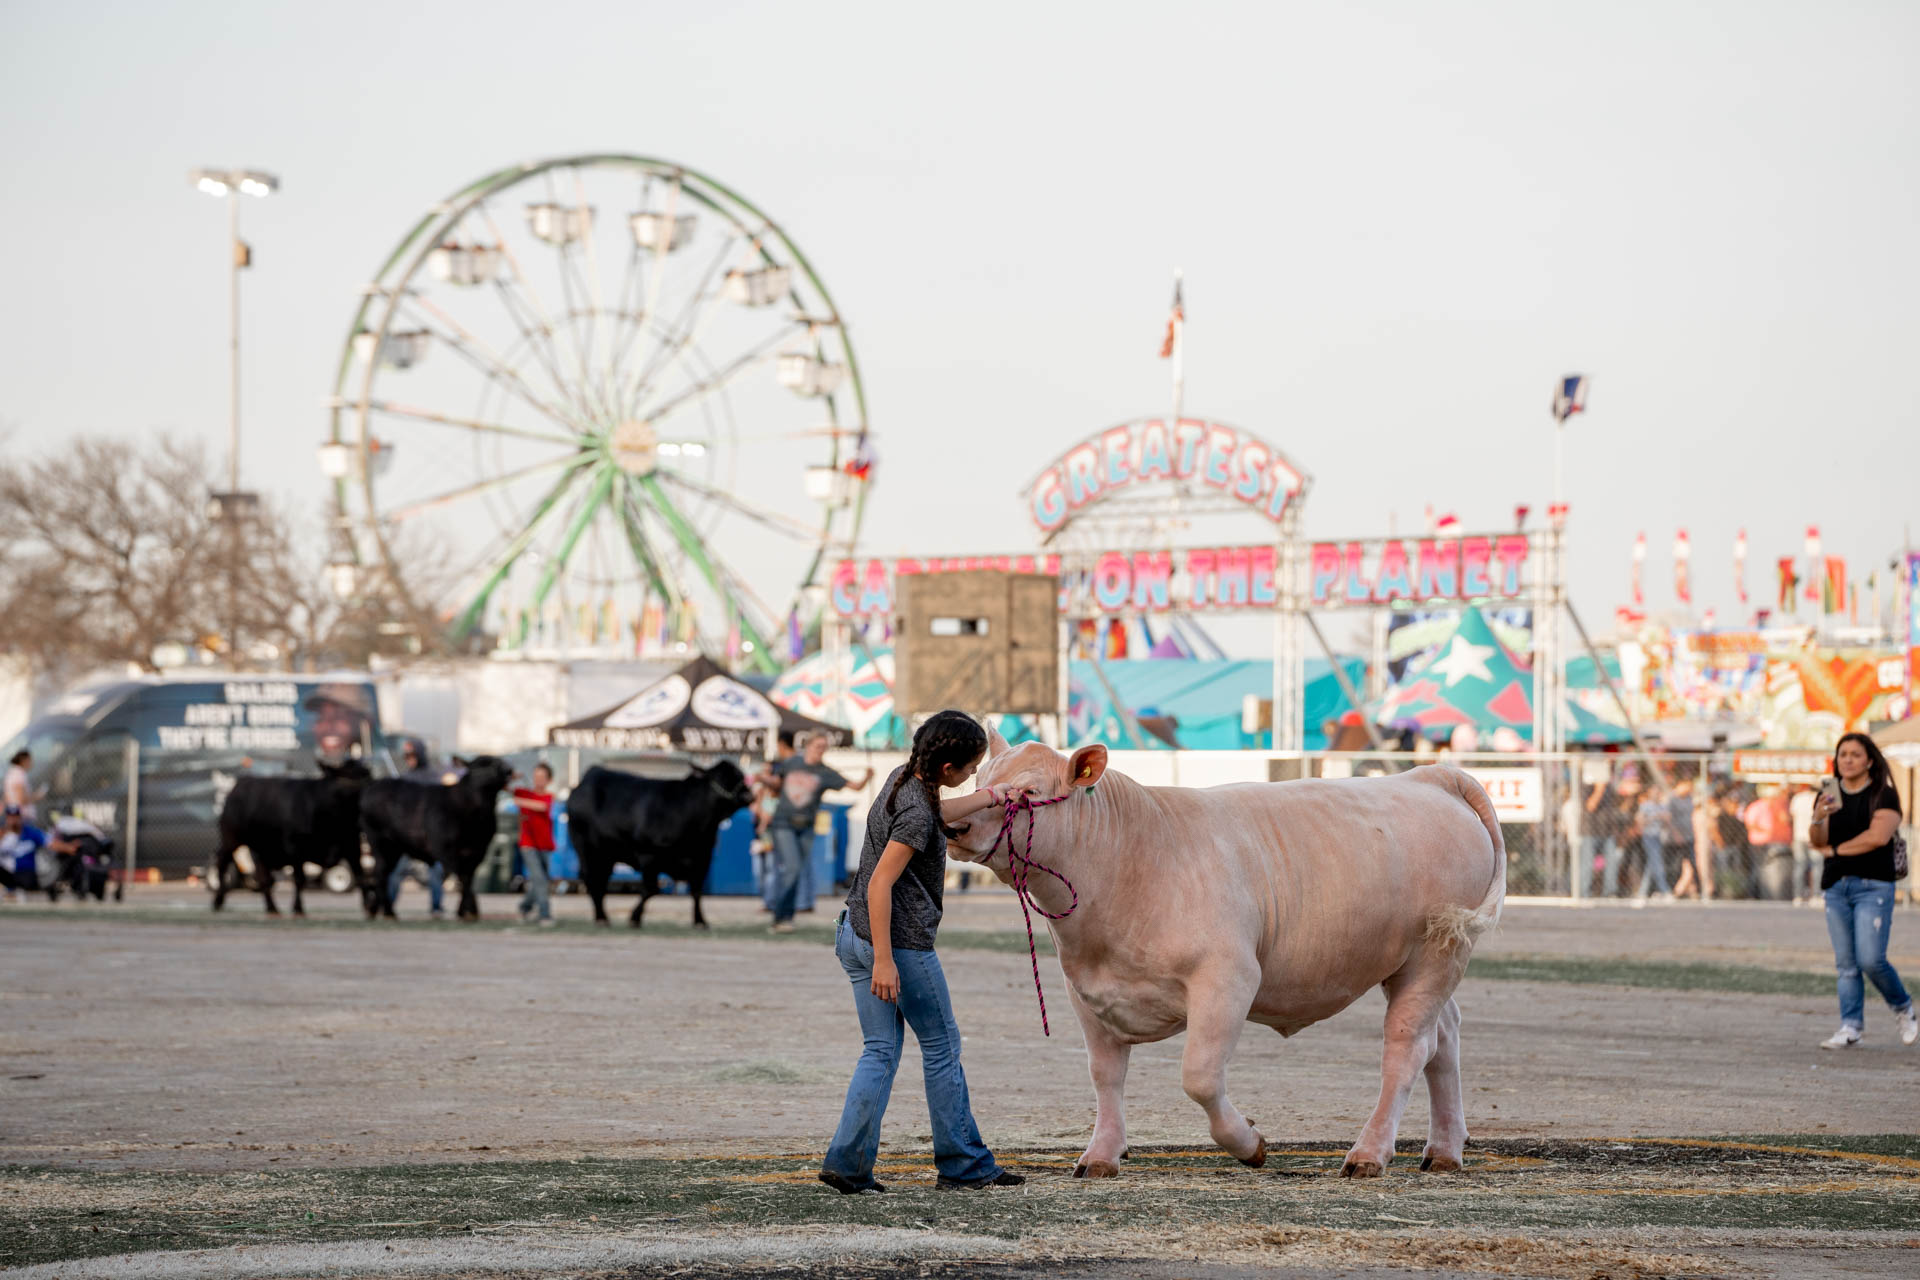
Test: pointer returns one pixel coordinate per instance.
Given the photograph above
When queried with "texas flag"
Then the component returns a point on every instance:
(1571, 397)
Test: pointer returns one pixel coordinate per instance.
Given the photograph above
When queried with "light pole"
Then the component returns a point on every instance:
(234, 506)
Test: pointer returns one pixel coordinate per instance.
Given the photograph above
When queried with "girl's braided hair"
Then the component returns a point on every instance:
(947, 738)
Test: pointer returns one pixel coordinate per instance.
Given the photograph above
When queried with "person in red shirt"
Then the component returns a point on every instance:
(536, 843)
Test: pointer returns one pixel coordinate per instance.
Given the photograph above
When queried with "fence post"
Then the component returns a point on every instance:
(1576, 834)
(133, 811)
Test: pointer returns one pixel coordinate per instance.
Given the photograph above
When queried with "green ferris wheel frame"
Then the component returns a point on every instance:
(591, 480)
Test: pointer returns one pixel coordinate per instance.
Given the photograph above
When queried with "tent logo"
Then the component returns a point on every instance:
(728, 704)
(654, 705)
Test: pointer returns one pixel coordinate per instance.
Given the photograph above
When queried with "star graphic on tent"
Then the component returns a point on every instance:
(1462, 659)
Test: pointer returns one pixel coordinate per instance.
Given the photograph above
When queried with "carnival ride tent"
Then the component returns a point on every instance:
(698, 709)
(1196, 702)
(1474, 679)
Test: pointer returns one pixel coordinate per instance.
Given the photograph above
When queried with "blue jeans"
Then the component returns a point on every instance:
(788, 863)
(436, 882)
(1859, 921)
(1607, 849)
(1654, 851)
(803, 894)
(536, 899)
(1806, 870)
(958, 1151)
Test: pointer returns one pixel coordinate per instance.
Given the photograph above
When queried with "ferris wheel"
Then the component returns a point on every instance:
(617, 398)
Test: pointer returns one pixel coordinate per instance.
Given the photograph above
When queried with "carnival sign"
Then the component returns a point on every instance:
(1515, 792)
(1210, 454)
(1111, 582)
(1379, 571)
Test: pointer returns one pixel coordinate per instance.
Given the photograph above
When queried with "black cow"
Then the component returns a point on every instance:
(658, 826)
(448, 824)
(289, 822)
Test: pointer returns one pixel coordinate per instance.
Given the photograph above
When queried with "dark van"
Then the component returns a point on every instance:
(190, 739)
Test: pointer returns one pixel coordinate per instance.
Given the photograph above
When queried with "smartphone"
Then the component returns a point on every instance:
(1830, 788)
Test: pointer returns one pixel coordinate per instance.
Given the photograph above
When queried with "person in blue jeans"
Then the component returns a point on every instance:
(1853, 829)
(804, 780)
(885, 943)
(1653, 820)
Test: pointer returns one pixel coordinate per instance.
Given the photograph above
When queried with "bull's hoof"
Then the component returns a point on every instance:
(1259, 1156)
(1434, 1162)
(1127, 1154)
(1360, 1169)
(1096, 1169)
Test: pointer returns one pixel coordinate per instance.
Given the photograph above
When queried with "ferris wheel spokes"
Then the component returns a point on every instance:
(695, 547)
(469, 424)
(769, 519)
(705, 386)
(551, 361)
(632, 526)
(582, 516)
(478, 487)
(677, 336)
(515, 548)
(486, 359)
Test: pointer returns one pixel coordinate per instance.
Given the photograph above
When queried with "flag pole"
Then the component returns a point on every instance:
(1179, 351)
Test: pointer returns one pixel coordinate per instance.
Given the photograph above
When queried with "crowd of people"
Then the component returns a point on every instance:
(1696, 837)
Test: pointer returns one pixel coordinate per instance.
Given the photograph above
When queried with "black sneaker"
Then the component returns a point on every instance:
(845, 1185)
(1001, 1179)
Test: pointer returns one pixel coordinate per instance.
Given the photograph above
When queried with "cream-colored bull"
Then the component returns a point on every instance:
(1276, 903)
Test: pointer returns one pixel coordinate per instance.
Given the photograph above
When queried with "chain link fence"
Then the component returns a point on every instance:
(1618, 826)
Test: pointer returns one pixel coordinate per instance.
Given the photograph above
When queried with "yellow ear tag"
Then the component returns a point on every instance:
(1086, 771)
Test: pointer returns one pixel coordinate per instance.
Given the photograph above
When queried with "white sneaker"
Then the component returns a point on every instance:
(1909, 1025)
(1845, 1038)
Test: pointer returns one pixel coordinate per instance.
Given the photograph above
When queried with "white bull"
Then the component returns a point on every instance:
(1276, 903)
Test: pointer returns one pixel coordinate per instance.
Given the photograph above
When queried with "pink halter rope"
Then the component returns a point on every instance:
(1019, 866)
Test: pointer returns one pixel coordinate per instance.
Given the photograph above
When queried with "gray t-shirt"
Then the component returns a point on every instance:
(802, 787)
(917, 893)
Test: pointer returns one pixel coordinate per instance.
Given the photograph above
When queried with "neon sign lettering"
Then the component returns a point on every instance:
(1383, 570)
(1235, 462)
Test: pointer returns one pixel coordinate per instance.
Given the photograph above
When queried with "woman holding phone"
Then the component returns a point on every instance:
(1854, 821)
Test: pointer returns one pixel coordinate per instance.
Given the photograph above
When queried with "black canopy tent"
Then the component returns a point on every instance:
(698, 709)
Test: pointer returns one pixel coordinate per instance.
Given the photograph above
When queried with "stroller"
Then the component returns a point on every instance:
(82, 860)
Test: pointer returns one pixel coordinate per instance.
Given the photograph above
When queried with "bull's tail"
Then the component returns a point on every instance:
(1462, 926)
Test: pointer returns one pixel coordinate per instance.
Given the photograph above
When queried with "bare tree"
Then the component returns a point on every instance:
(109, 553)
(112, 553)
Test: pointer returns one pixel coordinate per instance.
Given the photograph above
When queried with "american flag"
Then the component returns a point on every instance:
(1570, 397)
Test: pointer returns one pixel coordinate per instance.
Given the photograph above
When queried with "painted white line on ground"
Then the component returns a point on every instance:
(512, 1253)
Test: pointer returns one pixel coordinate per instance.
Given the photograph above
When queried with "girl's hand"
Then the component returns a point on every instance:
(1825, 806)
(886, 980)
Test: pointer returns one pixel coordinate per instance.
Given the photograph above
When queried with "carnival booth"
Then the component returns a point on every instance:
(1472, 678)
(1192, 704)
(701, 713)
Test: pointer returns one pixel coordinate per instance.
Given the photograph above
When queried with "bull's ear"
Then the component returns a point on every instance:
(1086, 766)
(458, 763)
(995, 743)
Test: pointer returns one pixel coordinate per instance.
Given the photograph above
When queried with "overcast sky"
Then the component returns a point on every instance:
(1399, 222)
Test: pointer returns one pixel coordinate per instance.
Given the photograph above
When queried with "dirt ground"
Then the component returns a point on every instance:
(162, 1038)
